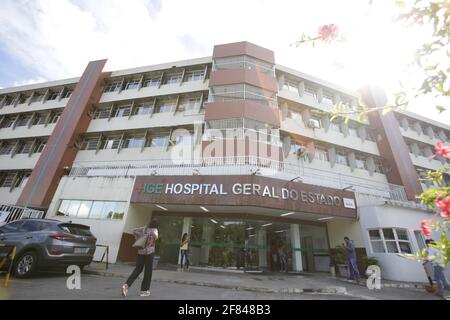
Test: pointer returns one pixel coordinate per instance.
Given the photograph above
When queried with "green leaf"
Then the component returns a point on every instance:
(440, 109)
(386, 110)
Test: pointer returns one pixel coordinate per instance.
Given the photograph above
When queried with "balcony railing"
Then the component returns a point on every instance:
(240, 165)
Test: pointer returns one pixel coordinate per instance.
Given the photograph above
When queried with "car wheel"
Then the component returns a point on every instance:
(26, 264)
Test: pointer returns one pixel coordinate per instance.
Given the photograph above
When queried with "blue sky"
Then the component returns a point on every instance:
(42, 40)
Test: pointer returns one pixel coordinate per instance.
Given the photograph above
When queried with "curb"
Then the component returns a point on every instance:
(388, 285)
(328, 290)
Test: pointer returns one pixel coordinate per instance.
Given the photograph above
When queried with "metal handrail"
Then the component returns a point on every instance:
(11, 255)
(106, 252)
(244, 165)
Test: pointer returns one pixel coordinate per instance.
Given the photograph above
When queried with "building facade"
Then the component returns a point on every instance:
(233, 149)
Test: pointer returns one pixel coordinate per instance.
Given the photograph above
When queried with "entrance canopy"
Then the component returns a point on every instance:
(243, 194)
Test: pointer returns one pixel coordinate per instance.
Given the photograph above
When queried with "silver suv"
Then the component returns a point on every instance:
(42, 243)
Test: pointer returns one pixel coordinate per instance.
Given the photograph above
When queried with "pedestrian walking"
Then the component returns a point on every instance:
(145, 242)
(351, 259)
(184, 251)
(435, 257)
(283, 257)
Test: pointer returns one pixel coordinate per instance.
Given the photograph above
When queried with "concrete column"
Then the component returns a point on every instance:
(319, 93)
(344, 129)
(286, 145)
(362, 132)
(187, 224)
(404, 124)
(207, 234)
(284, 111)
(281, 81)
(336, 99)
(430, 133)
(417, 128)
(415, 149)
(326, 122)
(306, 115)
(297, 264)
(262, 243)
(332, 156)
(301, 88)
(352, 160)
(371, 165)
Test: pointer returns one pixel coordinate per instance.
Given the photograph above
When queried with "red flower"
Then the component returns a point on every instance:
(443, 205)
(328, 32)
(425, 225)
(441, 150)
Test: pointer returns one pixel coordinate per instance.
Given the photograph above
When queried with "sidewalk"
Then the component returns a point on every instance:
(297, 283)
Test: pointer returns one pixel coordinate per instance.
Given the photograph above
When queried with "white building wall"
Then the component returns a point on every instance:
(394, 267)
(96, 188)
(10, 197)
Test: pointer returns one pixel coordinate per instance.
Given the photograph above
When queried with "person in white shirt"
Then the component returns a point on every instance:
(435, 257)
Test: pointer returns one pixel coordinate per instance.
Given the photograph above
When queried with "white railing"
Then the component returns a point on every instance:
(244, 64)
(262, 135)
(16, 213)
(243, 95)
(240, 165)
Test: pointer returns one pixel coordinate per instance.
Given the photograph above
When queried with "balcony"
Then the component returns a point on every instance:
(240, 165)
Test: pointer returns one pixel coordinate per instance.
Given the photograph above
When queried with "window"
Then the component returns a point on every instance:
(9, 100)
(7, 122)
(420, 240)
(352, 131)
(6, 148)
(63, 207)
(134, 142)
(378, 165)
(90, 144)
(111, 142)
(40, 145)
(52, 96)
(40, 119)
(173, 78)
(122, 111)
(291, 86)
(37, 97)
(311, 91)
(189, 104)
(55, 117)
(154, 82)
(7, 180)
(22, 181)
(376, 241)
(295, 115)
(327, 97)
(25, 147)
(112, 87)
(72, 210)
(22, 99)
(390, 240)
(335, 126)
(360, 162)
(23, 120)
(165, 106)
(96, 210)
(87, 209)
(341, 158)
(32, 226)
(159, 141)
(194, 75)
(103, 113)
(143, 109)
(321, 154)
(66, 94)
(12, 227)
(132, 84)
(182, 140)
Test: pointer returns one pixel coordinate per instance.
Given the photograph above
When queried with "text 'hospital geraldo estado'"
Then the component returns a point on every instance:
(233, 149)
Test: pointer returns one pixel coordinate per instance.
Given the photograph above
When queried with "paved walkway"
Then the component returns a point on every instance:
(267, 283)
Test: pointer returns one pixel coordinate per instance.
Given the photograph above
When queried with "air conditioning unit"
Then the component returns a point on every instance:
(301, 151)
(313, 123)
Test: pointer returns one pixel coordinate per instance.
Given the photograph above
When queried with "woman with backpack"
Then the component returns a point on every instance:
(145, 243)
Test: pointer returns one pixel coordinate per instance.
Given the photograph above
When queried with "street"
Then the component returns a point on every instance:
(49, 286)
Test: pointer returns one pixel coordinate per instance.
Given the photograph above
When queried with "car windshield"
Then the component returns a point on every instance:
(11, 227)
(76, 229)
